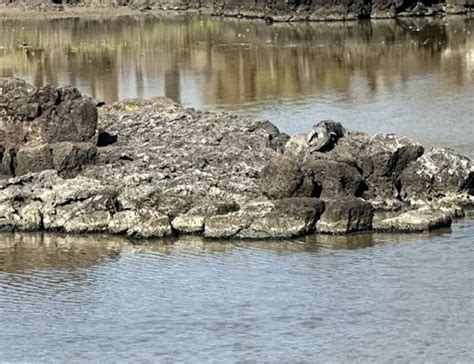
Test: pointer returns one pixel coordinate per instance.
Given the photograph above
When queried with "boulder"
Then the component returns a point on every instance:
(85, 222)
(336, 179)
(352, 163)
(379, 159)
(346, 216)
(297, 147)
(283, 177)
(69, 158)
(387, 155)
(8, 216)
(32, 159)
(420, 220)
(440, 173)
(86, 215)
(284, 218)
(72, 119)
(288, 218)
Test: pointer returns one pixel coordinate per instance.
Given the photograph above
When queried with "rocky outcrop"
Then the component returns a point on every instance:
(153, 169)
(271, 10)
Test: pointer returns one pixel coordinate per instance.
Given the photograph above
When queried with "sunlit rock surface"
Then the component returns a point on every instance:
(156, 169)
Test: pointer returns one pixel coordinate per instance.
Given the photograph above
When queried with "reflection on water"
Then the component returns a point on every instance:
(101, 299)
(20, 252)
(407, 76)
(237, 61)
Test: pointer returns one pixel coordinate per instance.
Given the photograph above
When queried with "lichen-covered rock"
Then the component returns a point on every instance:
(150, 224)
(346, 216)
(440, 173)
(141, 223)
(287, 218)
(420, 220)
(30, 217)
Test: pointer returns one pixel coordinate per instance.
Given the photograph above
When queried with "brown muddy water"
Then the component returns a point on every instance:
(361, 298)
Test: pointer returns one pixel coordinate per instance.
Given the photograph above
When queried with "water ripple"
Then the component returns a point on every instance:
(396, 298)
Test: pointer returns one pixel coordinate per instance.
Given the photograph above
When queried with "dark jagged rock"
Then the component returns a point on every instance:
(372, 164)
(172, 170)
(69, 158)
(336, 179)
(283, 177)
(36, 122)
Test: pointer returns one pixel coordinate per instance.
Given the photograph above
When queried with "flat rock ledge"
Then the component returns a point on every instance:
(154, 169)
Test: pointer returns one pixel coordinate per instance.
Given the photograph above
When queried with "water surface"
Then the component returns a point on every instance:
(364, 298)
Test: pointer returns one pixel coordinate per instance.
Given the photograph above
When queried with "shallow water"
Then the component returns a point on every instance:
(412, 77)
(361, 298)
(364, 298)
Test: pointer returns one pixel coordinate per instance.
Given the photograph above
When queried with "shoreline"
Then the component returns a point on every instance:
(50, 11)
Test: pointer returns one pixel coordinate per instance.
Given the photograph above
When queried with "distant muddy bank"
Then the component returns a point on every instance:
(293, 11)
(153, 169)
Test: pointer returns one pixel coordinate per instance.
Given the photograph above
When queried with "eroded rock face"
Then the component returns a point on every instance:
(163, 170)
(33, 123)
